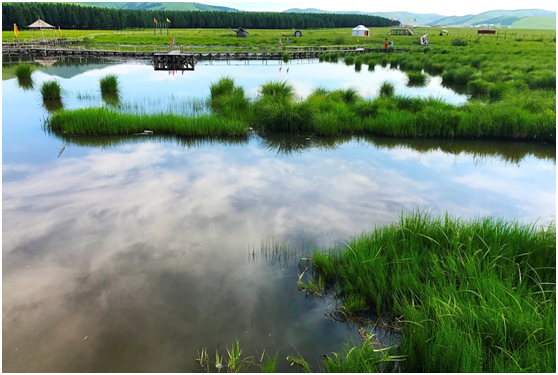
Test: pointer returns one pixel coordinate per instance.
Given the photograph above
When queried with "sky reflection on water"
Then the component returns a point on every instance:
(143, 246)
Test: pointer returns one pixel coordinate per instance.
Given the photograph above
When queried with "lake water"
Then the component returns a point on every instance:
(132, 253)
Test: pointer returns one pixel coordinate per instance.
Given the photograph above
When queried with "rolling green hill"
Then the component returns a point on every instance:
(504, 18)
(545, 23)
(158, 6)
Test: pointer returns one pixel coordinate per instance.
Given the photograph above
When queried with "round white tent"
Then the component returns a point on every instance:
(360, 30)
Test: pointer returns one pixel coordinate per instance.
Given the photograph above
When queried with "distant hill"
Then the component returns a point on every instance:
(503, 18)
(421, 18)
(546, 23)
(158, 6)
(521, 18)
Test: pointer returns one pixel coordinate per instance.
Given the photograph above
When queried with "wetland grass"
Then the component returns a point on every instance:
(102, 121)
(109, 84)
(26, 84)
(50, 90)
(23, 71)
(476, 296)
(277, 90)
(387, 90)
(416, 79)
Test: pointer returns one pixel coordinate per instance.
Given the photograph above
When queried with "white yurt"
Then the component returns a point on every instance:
(360, 30)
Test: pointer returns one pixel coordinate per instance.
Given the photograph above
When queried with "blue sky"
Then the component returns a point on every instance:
(448, 8)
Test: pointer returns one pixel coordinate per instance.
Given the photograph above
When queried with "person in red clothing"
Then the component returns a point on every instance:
(386, 45)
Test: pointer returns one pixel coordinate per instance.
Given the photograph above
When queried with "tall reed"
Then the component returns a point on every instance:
(23, 71)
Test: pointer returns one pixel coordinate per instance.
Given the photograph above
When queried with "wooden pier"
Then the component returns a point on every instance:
(179, 57)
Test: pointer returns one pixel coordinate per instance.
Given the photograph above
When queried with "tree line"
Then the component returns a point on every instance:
(73, 16)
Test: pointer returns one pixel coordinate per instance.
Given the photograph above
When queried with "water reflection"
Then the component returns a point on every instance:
(290, 144)
(53, 105)
(26, 84)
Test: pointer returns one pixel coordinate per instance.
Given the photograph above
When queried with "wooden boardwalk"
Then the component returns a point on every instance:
(185, 52)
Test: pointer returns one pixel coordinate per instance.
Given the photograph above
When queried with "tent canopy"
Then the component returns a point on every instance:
(360, 27)
(40, 24)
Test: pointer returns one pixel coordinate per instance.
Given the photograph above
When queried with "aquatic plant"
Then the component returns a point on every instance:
(50, 90)
(387, 89)
(416, 79)
(474, 296)
(349, 60)
(102, 121)
(223, 86)
(286, 57)
(277, 90)
(109, 84)
(284, 116)
(23, 71)
(53, 105)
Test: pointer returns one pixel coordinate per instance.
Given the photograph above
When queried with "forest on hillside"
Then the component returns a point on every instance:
(72, 16)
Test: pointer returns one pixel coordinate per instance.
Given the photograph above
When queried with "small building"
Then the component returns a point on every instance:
(360, 30)
(298, 33)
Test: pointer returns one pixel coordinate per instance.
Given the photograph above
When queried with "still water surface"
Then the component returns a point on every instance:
(145, 245)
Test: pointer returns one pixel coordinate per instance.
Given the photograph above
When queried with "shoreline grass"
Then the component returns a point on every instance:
(475, 296)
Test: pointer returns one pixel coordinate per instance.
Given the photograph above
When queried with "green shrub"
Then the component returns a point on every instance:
(349, 60)
(339, 40)
(286, 57)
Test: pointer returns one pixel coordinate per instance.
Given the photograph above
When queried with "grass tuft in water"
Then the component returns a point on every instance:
(277, 90)
(23, 71)
(50, 90)
(387, 89)
(109, 84)
(416, 79)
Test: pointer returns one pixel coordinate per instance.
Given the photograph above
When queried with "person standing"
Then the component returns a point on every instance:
(386, 44)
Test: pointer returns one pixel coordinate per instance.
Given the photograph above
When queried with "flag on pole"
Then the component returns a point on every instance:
(174, 40)
(392, 20)
(168, 20)
(154, 20)
(16, 31)
(408, 19)
(280, 42)
(171, 39)
(60, 31)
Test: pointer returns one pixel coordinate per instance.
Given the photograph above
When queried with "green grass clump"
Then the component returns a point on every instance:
(23, 71)
(224, 86)
(285, 116)
(109, 84)
(349, 60)
(276, 90)
(26, 83)
(387, 89)
(476, 296)
(416, 79)
(458, 42)
(286, 57)
(101, 121)
(363, 358)
(50, 90)
(270, 365)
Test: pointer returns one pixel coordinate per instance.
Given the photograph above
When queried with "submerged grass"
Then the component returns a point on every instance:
(475, 296)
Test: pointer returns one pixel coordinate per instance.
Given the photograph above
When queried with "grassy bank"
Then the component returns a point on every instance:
(475, 296)
(270, 37)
